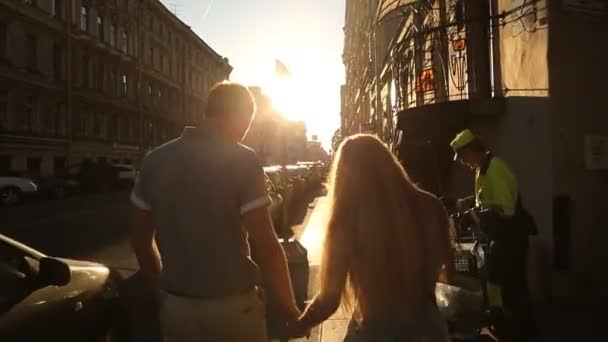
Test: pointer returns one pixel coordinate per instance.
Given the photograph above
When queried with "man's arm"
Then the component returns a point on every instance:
(144, 246)
(271, 259)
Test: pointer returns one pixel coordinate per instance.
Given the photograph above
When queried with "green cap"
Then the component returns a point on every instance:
(463, 139)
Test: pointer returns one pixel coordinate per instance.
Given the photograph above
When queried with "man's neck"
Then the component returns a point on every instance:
(214, 128)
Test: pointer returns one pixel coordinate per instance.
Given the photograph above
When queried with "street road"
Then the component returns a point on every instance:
(90, 227)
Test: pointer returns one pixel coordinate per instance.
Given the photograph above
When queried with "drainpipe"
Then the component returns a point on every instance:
(69, 11)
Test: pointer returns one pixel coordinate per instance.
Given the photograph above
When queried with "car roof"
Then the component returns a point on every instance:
(34, 253)
(272, 168)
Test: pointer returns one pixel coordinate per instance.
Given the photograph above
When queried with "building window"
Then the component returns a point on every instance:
(57, 8)
(4, 115)
(3, 41)
(151, 23)
(86, 69)
(112, 35)
(112, 126)
(122, 128)
(50, 123)
(26, 119)
(100, 29)
(149, 89)
(97, 125)
(124, 42)
(32, 52)
(111, 86)
(5, 163)
(84, 18)
(57, 62)
(59, 165)
(82, 124)
(30, 119)
(60, 122)
(123, 85)
(33, 165)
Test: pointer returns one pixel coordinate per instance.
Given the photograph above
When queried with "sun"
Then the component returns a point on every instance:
(308, 98)
(287, 98)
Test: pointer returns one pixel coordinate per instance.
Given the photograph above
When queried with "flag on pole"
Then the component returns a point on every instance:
(282, 71)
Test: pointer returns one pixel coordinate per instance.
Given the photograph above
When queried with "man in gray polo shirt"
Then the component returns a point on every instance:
(194, 201)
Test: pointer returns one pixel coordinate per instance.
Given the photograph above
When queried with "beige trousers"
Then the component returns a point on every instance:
(231, 319)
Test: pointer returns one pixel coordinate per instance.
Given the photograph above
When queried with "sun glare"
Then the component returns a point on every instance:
(308, 96)
(286, 98)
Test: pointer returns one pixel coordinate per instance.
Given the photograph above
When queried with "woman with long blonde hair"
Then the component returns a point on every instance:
(387, 243)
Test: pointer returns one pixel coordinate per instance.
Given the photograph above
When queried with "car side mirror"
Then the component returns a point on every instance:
(54, 272)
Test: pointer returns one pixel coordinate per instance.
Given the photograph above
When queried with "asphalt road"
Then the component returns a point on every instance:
(89, 227)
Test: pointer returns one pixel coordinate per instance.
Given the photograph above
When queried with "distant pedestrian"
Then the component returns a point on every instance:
(387, 243)
(198, 196)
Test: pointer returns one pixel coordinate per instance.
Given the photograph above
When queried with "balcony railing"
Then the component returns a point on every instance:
(443, 58)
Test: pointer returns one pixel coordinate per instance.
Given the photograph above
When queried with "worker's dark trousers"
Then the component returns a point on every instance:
(507, 266)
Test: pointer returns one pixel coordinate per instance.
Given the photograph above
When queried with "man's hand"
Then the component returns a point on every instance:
(271, 259)
(146, 251)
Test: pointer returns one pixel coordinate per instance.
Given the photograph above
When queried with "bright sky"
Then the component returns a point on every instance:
(306, 35)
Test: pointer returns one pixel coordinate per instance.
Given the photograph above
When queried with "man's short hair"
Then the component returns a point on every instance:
(227, 99)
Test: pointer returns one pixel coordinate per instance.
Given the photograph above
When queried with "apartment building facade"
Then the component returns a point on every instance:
(96, 79)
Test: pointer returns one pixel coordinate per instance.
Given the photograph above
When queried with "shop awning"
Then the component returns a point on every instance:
(386, 7)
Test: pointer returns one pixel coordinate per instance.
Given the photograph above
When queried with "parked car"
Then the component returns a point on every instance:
(13, 189)
(126, 174)
(51, 299)
(278, 210)
(54, 187)
(297, 174)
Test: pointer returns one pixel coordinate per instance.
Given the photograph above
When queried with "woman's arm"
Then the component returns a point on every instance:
(334, 270)
(320, 309)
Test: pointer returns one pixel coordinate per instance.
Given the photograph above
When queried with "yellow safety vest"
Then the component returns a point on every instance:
(496, 187)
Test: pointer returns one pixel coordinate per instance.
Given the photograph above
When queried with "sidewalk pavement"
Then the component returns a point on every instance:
(311, 234)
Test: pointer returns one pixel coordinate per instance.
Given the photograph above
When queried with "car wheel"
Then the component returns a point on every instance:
(10, 196)
(59, 193)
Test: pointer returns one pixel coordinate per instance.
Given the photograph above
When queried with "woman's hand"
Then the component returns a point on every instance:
(296, 329)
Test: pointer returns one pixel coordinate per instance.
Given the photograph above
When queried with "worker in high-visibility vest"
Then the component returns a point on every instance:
(507, 226)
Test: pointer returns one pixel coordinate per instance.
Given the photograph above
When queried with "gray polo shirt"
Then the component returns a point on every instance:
(197, 187)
